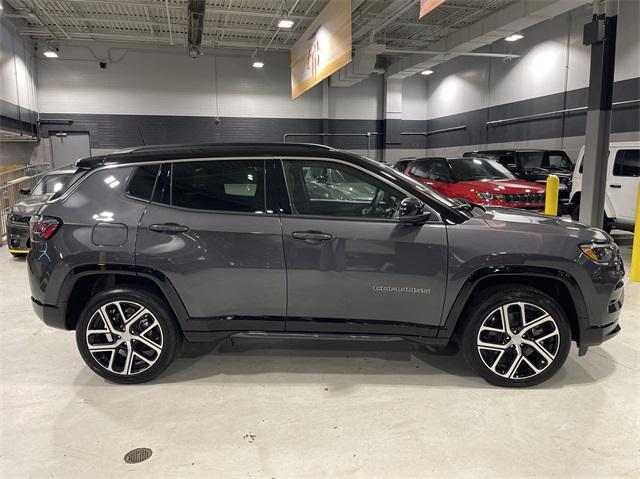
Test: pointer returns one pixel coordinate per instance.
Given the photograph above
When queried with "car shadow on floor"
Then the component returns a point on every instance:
(345, 363)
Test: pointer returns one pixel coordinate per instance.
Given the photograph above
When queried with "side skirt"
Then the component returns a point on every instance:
(212, 336)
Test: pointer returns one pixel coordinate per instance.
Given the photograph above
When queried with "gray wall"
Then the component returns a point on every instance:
(164, 96)
(551, 74)
(17, 95)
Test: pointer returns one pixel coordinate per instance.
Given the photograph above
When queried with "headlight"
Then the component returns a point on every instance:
(490, 196)
(600, 253)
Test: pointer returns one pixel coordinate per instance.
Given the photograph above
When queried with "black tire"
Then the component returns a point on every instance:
(484, 312)
(18, 255)
(164, 336)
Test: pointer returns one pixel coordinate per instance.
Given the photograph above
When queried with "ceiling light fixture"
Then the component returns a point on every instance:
(51, 51)
(426, 72)
(285, 23)
(514, 37)
(258, 61)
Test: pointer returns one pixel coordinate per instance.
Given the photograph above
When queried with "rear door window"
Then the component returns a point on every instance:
(627, 163)
(216, 185)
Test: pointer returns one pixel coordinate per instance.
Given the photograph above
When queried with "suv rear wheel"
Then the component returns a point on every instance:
(127, 336)
(516, 336)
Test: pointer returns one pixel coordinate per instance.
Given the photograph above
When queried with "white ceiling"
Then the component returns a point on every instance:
(247, 24)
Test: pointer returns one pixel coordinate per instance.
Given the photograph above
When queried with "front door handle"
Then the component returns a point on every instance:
(169, 228)
(615, 186)
(311, 236)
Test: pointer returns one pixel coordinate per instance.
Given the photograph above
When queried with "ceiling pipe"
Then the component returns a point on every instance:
(169, 22)
(195, 26)
(453, 52)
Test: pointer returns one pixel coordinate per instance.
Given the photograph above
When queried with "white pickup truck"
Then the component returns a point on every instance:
(623, 176)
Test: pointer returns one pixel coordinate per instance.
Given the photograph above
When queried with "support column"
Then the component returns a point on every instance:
(600, 33)
(392, 116)
(325, 111)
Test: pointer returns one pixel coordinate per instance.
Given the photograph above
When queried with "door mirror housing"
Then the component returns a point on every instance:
(413, 210)
(25, 191)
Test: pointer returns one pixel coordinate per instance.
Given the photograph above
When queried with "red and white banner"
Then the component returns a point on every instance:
(427, 5)
(323, 49)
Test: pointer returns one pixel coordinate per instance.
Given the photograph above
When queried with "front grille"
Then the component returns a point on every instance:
(525, 198)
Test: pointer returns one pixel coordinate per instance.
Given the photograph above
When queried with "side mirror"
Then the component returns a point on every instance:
(412, 210)
(25, 191)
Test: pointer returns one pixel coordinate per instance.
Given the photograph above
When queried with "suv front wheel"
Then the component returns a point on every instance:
(127, 336)
(516, 336)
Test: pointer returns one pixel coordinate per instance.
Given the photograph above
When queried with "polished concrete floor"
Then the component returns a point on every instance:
(275, 409)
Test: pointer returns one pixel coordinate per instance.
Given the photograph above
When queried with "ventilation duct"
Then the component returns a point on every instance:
(361, 67)
(195, 26)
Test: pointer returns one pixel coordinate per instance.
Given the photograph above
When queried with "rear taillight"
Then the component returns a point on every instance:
(43, 227)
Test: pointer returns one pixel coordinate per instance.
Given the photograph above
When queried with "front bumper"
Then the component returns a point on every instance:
(18, 237)
(609, 327)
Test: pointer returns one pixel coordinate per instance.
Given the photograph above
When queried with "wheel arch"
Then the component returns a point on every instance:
(83, 282)
(558, 284)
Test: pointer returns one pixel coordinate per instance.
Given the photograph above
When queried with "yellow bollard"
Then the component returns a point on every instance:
(551, 196)
(635, 251)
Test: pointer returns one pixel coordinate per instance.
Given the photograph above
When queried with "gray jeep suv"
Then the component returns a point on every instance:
(147, 247)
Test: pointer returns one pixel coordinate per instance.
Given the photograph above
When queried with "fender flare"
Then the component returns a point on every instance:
(158, 278)
(466, 291)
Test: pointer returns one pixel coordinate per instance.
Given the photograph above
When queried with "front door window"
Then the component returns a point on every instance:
(334, 189)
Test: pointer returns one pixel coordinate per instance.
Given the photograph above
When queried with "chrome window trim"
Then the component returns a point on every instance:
(75, 186)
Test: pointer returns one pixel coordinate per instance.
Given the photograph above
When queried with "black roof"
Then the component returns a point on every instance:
(212, 150)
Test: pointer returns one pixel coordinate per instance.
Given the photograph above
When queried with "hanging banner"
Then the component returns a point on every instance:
(427, 5)
(324, 48)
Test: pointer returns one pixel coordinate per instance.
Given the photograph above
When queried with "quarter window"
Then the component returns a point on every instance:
(142, 182)
(627, 163)
(334, 189)
(221, 185)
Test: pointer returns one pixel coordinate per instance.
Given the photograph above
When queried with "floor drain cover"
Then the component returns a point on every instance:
(138, 455)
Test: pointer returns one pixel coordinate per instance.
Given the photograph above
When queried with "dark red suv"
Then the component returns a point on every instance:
(478, 180)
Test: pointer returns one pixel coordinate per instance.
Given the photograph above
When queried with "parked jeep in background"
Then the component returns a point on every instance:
(477, 180)
(623, 176)
(21, 212)
(535, 165)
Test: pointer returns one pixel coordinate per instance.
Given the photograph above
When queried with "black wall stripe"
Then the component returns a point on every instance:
(118, 131)
(17, 119)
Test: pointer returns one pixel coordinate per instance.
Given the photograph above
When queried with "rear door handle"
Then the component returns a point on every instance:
(169, 228)
(311, 236)
(615, 186)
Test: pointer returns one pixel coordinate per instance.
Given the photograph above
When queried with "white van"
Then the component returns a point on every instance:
(623, 176)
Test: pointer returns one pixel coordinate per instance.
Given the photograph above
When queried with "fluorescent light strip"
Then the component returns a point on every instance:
(514, 37)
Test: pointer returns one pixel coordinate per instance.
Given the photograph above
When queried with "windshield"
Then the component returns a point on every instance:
(553, 161)
(51, 183)
(469, 169)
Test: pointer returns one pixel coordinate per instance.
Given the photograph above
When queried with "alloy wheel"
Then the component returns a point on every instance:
(124, 337)
(518, 340)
